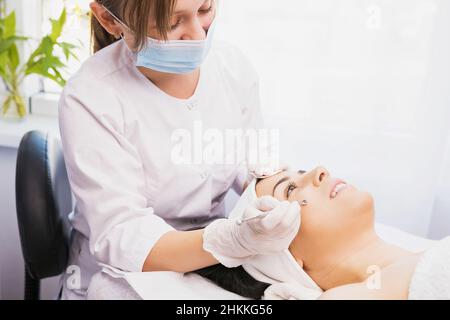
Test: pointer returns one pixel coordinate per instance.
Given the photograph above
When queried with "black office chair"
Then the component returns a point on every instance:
(43, 201)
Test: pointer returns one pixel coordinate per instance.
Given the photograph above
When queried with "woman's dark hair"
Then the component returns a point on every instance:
(236, 280)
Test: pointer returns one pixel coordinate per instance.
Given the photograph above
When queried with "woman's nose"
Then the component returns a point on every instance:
(320, 174)
(195, 32)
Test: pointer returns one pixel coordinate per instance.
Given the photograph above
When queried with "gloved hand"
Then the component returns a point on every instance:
(267, 162)
(231, 244)
(262, 171)
(259, 171)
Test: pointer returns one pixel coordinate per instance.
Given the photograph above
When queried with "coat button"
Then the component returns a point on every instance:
(204, 175)
(191, 105)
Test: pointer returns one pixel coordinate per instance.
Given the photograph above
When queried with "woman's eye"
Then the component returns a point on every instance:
(173, 27)
(291, 187)
(205, 11)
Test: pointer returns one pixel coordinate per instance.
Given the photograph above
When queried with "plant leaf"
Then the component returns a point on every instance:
(5, 44)
(43, 60)
(57, 26)
(9, 25)
(13, 57)
(58, 77)
(68, 50)
(44, 48)
(4, 61)
(43, 67)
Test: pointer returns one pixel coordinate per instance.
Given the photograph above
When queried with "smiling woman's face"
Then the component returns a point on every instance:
(335, 208)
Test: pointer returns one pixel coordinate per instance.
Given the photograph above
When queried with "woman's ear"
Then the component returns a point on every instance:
(106, 19)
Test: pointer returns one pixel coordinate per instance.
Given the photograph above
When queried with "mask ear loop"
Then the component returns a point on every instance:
(118, 20)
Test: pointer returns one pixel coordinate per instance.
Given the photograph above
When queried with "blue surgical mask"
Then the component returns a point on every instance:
(173, 56)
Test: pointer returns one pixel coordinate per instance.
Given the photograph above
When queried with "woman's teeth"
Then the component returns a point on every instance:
(336, 189)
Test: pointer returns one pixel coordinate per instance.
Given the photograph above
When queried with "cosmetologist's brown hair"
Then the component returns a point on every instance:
(136, 14)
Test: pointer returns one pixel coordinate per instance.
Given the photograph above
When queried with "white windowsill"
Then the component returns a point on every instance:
(12, 130)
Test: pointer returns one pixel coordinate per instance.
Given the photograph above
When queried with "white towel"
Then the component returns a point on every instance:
(248, 197)
(288, 280)
(431, 279)
(159, 285)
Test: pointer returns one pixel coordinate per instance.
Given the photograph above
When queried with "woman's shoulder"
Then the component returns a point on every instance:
(96, 79)
(101, 65)
(91, 89)
(85, 88)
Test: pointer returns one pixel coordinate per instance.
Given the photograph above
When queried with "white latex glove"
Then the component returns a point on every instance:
(267, 170)
(231, 244)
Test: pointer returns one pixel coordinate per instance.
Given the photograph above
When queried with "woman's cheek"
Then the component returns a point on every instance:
(312, 216)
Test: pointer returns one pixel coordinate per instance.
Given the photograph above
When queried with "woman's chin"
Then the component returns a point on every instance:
(357, 199)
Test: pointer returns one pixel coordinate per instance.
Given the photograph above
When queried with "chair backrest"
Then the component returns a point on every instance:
(43, 202)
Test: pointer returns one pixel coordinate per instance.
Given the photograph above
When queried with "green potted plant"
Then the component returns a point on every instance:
(43, 61)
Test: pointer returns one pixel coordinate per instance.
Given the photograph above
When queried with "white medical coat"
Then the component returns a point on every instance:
(116, 128)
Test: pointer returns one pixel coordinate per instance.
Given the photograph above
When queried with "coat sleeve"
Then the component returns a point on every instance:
(106, 176)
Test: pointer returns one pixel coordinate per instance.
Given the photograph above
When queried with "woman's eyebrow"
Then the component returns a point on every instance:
(278, 183)
(283, 180)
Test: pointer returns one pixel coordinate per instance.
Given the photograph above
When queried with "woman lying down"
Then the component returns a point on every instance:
(336, 254)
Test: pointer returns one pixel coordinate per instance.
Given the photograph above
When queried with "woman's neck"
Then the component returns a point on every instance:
(181, 86)
(353, 262)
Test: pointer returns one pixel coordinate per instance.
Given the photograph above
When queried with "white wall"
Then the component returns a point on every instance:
(440, 219)
(360, 86)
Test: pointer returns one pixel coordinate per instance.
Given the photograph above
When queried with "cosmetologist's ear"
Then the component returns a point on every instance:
(106, 19)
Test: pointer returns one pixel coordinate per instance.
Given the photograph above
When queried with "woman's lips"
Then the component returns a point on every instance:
(337, 186)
